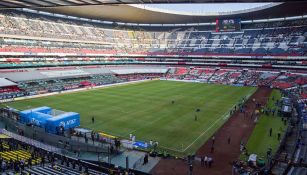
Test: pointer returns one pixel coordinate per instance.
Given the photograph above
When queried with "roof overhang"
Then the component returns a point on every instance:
(5, 83)
(54, 3)
(131, 14)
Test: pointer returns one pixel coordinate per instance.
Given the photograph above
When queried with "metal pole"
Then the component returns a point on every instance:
(109, 155)
(127, 163)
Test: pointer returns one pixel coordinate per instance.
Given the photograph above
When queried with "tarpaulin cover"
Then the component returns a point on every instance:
(139, 144)
(42, 117)
(27, 115)
(39, 119)
(67, 120)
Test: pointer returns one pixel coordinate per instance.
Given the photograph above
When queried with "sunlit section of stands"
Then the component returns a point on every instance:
(274, 79)
(273, 38)
(18, 155)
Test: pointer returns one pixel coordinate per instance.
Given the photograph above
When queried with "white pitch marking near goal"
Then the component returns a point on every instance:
(225, 116)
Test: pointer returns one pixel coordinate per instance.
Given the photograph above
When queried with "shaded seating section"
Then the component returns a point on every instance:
(54, 85)
(299, 159)
(58, 169)
(46, 80)
(138, 73)
(9, 89)
(139, 76)
(18, 157)
(14, 154)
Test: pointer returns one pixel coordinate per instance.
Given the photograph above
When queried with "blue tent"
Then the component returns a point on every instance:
(39, 119)
(67, 120)
(27, 115)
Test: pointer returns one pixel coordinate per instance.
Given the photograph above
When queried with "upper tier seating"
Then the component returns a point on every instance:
(282, 40)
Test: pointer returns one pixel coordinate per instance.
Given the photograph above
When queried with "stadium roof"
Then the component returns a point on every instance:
(53, 3)
(4, 83)
(140, 11)
(148, 15)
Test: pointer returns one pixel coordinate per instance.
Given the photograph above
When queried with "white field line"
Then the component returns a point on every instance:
(214, 123)
(222, 117)
(225, 116)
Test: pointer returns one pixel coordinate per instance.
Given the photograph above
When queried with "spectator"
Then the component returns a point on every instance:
(210, 161)
(145, 159)
(202, 161)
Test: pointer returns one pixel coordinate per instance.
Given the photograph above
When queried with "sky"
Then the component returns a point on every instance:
(205, 8)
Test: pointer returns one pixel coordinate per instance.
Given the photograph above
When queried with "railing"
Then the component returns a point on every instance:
(31, 141)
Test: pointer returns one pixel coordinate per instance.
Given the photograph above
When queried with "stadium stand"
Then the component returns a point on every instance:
(19, 157)
(244, 77)
(263, 40)
(88, 43)
(44, 80)
(42, 54)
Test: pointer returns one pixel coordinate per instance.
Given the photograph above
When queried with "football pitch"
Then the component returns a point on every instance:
(146, 110)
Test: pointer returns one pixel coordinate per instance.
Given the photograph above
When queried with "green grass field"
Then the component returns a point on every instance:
(260, 141)
(145, 110)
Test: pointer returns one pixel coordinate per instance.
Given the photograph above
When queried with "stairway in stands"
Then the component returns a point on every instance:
(212, 75)
(272, 80)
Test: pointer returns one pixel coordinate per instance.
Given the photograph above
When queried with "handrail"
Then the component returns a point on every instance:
(31, 142)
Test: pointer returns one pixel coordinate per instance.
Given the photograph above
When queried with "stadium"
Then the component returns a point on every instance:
(162, 87)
